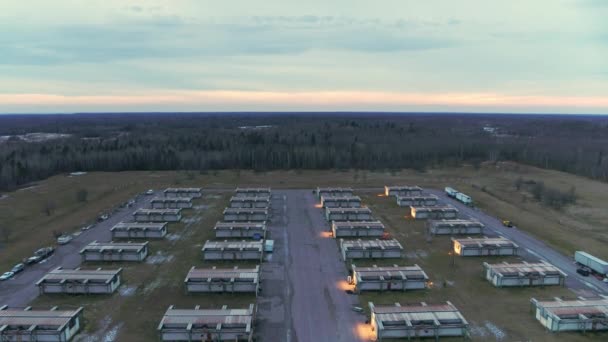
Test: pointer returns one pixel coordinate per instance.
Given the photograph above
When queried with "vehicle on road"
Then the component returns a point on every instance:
(6, 275)
(40, 255)
(508, 224)
(269, 246)
(150, 192)
(593, 263)
(583, 271)
(87, 227)
(103, 217)
(18, 268)
(357, 309)
(605, 280)
(64, 239)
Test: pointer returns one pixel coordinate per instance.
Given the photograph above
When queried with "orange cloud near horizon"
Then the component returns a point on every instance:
(310, 98)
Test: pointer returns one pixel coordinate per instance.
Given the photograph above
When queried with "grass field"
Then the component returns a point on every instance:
(153, 287)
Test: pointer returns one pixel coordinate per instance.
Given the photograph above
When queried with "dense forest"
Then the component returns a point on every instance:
(267, 141)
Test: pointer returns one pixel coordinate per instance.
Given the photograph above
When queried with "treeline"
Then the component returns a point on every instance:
(112, 142)
(546, 195)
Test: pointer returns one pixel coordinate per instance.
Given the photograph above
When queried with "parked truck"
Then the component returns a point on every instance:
(450, 191)
(596, 264)
(464, 198)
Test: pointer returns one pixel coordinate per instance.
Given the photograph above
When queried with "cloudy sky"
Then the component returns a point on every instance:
(547, 56)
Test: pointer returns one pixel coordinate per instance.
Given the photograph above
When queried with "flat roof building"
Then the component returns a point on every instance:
(249, 202)
(157, 215)
(79, 281)
(207, 324)
(523, 274)
(223, 279)
(389, 278)
(334, 192)
(583, 314)
(183, 192)
(245, 215)
(240, 230)
(139, 230)
(456, 227)
(484, 246)
(252, 192)
(357, 229)
(435, 212)
(370, 249)
(416, 321)
(171, 203)
(348, 214)
(17, 325)
(233, 250)
(417, 201)
(399, 190)
(340, 202)
(114, 251)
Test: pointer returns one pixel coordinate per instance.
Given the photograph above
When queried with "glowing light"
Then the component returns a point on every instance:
(343, 285)
(319, 205)
(365, 332)
(326, 234)
(381, 195)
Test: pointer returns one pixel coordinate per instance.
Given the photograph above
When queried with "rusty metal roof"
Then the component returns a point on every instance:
(412, 314)
(456, 223)
(507, 269)
(56, 319)
(223, 273)
(370, 244)
(417, 197)
(596, 306)
(349, 210)
(80, 275)
(194, 318)
(437, 208)
(240, 225)
(139, 225)
(388, 272)
(403, 187)
(114, 246)
(237, 245)
(485, 242)
(358, 224)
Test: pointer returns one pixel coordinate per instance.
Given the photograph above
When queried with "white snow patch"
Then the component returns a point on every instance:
(127, 291)
(159, 258)
(110, 336)
(499, 334)
(173, 237)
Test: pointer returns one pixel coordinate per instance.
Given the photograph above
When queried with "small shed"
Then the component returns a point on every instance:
(137, 230)
(340, 201)
(389, 278)
(420, 201)
(252, 192)
(114, 251)
(370, 249)
(245, 215)
(434, 212)
(223, 280)
(484, 246)
(581, 314)
(207, 324)
(357, 229)
(157, 215)
(240, 230)
(250, 202)
(523, 274)
(402, 190)
(171, 203)
(334, 192)
(348, 214)
(417, 321)
(233, 250)
(54, 325)
(183, 192)
(456, 227)
(79, 281)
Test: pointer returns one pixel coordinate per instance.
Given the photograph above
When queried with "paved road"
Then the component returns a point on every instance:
(531, 248)
(21, 290)
(305, 303)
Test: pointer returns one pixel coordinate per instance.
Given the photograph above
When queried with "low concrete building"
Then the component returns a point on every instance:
(223, 279)
(435, 212)
(253, 192)
(357, 229)
(348, 214)
(370, 249)
(157, 215)
(583, 314)
(171, 203)
(114, 251)
(183, 192)
(79, 281)
(240, 230)
(523, 274)
(245, 215)
(249, 202)
(17, 325)
(455, 227)
(233, 250)
(137, 230)
(417, 321)
(389, 278)
(340, 202)
(207, 324)
(417, 201)
(484, 246)
(333, 192)
(402, 191)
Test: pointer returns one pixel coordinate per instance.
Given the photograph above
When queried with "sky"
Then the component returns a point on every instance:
(517, 56)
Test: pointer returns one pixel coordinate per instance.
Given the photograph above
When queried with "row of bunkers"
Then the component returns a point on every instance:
(239, 236)
(62, 325)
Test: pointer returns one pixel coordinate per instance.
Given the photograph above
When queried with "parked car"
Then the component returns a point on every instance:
(6, 275)
(583, 271)
(103, 217)
(32, 260)
(269, 246)
(87, 227)
(508, 224)
(18, 268)
(150, 192)
(64, 239)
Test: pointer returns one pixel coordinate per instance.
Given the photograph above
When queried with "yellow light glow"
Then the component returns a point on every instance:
(326, 234)
(343, 285)
(364, 332)
(319, 205)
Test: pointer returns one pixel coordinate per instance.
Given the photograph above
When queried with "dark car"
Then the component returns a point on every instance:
(583, 271)
(18, 268)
